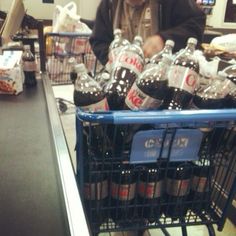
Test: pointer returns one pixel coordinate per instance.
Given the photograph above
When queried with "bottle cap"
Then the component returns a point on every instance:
(71, 60)
(170, 42)
(117, 32)
(192, 40)
(202, 163)
(139, 39)
(80, 68)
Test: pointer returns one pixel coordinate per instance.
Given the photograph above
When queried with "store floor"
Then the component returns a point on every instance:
(68, 121)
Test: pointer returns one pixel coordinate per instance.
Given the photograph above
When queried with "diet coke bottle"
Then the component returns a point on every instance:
(213, 95)
(114, 48)
(151, 88)
(128, 66)
(177, 189)
(95, 193)
(200, 185)
(88, 95)
(166, 51)
(123, 187)
(150, 190)
(183, 77)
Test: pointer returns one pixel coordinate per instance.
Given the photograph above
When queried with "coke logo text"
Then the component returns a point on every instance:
(134, 98)
(124, 58)
(191, 80)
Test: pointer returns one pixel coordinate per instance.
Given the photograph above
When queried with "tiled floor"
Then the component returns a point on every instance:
(68, 122)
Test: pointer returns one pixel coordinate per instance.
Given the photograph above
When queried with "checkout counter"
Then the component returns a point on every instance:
(39, 194)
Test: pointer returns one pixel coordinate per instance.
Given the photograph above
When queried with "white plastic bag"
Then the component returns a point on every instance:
(65, 19)
(227, 42)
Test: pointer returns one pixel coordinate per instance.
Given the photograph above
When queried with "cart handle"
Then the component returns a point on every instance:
(157, 117)
(68, 34)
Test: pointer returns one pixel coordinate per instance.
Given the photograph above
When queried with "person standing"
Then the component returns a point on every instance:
(154, 20)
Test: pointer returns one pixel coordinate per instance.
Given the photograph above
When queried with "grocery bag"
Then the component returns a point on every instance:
(65, 18)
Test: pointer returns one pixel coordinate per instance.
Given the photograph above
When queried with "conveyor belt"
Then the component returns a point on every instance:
(33, 185)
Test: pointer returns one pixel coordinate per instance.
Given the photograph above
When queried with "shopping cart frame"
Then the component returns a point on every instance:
(83, 55)
(194, 118)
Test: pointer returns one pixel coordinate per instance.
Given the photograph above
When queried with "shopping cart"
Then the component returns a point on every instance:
(63, 50)
(140, 170)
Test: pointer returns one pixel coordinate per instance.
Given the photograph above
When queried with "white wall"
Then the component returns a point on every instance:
(35, 8)
(87, 8)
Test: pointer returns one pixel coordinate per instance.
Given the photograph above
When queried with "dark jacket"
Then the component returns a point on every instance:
(178, 20)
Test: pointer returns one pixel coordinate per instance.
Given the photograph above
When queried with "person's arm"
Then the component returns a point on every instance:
(186, 20)
(102, 32)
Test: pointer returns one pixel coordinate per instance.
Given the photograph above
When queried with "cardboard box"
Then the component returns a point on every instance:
(11, 73)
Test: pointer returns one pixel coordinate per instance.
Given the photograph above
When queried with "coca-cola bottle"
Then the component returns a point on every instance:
(166, 51)
(199, 196)
(123, 191)
(177, 189)
(183, 77)
(150, 189)
(114, 49)
(88, 95)
(95, 193)
(103, 78)
(128, 66)
(29, 67)
(150, 88)
(212, 95)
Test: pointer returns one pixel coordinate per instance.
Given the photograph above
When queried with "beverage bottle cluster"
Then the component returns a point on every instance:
(122, 191)
(147, 193)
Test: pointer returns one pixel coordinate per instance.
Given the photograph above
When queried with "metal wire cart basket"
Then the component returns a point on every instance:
(140, 170)
(63, 50)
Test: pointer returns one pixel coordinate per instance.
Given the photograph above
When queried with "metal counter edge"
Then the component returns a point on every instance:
(76, 218)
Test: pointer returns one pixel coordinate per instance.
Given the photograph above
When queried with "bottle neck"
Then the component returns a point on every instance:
(117, 37)
(167, 49)
(190, 48)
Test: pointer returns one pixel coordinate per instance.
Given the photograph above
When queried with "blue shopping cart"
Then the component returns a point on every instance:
(140, 170)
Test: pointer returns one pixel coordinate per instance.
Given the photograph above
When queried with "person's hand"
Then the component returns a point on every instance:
(153, 45)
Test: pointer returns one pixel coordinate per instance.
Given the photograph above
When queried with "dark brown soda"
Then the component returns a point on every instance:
(177, 190)
(150, 189)
(178, 98)
(122, 190)
(118, 88)
(95, 193)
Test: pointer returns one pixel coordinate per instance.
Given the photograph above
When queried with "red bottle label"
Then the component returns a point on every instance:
(123, 192)
(183, 78)
(29, 66)
(100, 106)
(199, 184)
(150, 190)
(96, 191)
(131, 61)
(112, 58)
(178, 188)
(136, 99)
